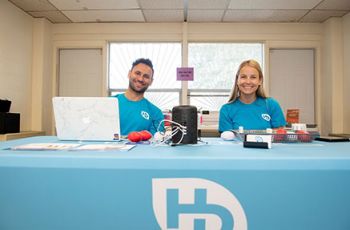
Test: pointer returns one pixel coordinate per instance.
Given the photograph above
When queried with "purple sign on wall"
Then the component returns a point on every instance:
(184, 74)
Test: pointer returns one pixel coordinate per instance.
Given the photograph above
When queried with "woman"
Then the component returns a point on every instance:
(248, 105)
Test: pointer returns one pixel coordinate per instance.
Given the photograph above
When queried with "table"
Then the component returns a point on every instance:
(23, 134)
(340, 135)
(206, 186)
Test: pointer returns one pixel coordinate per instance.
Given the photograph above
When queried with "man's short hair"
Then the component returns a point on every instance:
(145, 61)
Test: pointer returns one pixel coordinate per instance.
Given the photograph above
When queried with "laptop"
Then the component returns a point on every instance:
(87, 118)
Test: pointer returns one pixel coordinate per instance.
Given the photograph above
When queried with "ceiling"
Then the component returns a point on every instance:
(87, 11)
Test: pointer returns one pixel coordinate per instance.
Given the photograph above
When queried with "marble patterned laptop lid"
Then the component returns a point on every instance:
(87, 118)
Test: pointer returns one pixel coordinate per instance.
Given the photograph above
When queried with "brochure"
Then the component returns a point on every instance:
(45, 146)
(102, 147)
(75, 147)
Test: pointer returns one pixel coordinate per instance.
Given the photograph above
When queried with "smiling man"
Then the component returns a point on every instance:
(136, 112)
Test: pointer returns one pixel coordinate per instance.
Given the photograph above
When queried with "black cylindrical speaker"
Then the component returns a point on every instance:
(185, 115)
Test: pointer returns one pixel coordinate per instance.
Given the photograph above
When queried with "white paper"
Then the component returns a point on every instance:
(45, 146)
(122, 147)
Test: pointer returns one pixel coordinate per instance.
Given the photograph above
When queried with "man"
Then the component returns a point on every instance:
(136, 112)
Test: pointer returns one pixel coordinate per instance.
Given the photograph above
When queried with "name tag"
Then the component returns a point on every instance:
(263, 139)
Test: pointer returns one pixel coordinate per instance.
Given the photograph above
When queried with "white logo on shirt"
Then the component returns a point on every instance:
(266, 117)
(145, 115)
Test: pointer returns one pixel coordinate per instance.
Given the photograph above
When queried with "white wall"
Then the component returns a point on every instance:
(16, 60)
(346, 41)
(42, 76)
(332, 79)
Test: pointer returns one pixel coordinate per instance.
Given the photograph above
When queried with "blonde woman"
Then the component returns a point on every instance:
(248, 105)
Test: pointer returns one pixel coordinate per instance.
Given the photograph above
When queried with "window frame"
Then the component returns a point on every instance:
(184, 92)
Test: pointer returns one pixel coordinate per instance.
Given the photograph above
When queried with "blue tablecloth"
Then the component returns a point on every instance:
(217, 183)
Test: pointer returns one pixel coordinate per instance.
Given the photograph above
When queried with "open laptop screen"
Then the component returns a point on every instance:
(87, 118)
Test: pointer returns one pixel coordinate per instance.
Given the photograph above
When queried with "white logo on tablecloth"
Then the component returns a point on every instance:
(194, 203)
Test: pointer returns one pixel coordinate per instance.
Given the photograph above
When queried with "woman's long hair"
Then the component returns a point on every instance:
(260, 91)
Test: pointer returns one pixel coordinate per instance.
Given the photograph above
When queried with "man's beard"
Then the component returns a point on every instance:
(140, 91)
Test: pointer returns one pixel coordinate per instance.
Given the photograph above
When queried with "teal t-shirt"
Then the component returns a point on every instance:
(138, 115)
(261, 114)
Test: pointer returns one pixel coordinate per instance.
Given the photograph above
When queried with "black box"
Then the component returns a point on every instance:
(187, 117)
(9, 123)
(5, 106)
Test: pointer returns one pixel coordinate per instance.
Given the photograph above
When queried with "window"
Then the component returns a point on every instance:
(215, 66)
(166, 57)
